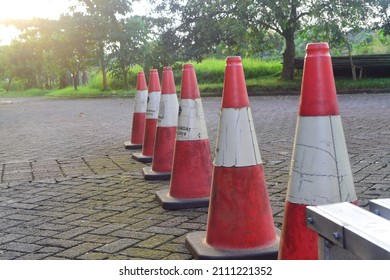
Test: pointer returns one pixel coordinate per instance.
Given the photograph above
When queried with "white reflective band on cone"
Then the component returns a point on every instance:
(168, 111)
(141, 101)
(191, 123)
(237, 143)
(153, 104)
(320, 171)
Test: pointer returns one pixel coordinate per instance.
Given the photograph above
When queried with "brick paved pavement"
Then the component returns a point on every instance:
(69, 189)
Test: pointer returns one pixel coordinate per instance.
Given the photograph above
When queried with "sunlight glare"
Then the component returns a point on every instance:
(27, 9)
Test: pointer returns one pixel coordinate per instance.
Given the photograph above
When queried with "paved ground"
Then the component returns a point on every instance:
(69, 189)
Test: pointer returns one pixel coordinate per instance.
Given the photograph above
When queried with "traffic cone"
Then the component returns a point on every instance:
(240, 222)
(152, 107)
(139, 114)
(320, 171)
(192, 169)
(166, 131)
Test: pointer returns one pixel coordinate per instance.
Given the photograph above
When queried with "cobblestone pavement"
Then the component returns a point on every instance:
(69, 189)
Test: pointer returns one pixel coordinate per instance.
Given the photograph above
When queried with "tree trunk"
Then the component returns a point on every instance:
(9, 84)
(288, 56)
(103, 65)
(63, 81)
(75, 78)
(125, 79)
(351, 61)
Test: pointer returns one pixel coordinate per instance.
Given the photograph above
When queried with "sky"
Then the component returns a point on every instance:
(27, 9)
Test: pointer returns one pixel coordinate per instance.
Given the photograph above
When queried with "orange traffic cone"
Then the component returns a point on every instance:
(166, 131)
(151, 119)
(240, 222)
(192, 170)
(320, 171)
(139, 114)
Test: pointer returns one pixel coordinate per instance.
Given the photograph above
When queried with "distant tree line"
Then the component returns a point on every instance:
(104, 34)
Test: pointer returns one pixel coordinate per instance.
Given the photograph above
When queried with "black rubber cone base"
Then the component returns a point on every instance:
(149, 174)
(171, 203)
(142, 158)
(131, 146)
(196, 244)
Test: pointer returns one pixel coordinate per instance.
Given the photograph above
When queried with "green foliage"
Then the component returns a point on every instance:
(363, 84)
(211, 71)
(376, 43)
(261, 76)
(383, 7)
(32, 92)
(114, 83)
(128, 47)
(93, 35)
(70, 92)
(95, 80)
(17, 85)
(240, 26)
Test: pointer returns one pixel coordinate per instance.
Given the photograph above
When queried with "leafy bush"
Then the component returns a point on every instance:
(212, 70)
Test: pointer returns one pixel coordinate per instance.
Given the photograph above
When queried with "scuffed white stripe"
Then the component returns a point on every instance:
(141, 101)
(191, 123)
(168, 110)
(237, 143)
(153, 105)
(320, 171)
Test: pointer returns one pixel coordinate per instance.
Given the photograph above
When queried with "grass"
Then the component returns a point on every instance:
(260, 76)
(88, 92)
(25, 93)
(69, 92)
(349, 84)
(212, 70)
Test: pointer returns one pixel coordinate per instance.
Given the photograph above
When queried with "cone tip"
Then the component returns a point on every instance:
(234, 94)
(189, 84)
(141, 81)
(321, 48)
(233, 59)
(154, 83)
(320, 45)
(188, 66)
(318, 91)
(168, 82)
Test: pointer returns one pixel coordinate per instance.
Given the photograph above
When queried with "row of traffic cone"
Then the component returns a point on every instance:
(178, 136)
(240, 221)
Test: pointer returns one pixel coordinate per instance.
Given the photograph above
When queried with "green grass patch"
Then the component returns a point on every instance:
(70, 92)
(261, 84)
(261, 76)
(211, 71)
(349, 84)
(88, 92)
(25, 93)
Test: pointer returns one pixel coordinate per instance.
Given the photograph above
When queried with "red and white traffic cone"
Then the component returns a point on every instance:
(240, 222)
(151, 119)
(192, 169)
(139, 114)
(166, 131)
(320, 171)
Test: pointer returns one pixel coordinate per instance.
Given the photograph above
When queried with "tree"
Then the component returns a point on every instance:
(6, 66)
(128, 46)
(384, 16)
(32, 51)
(72, 48)
(204, 24)
(101, 20)
(48, 49)
(162, 51)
